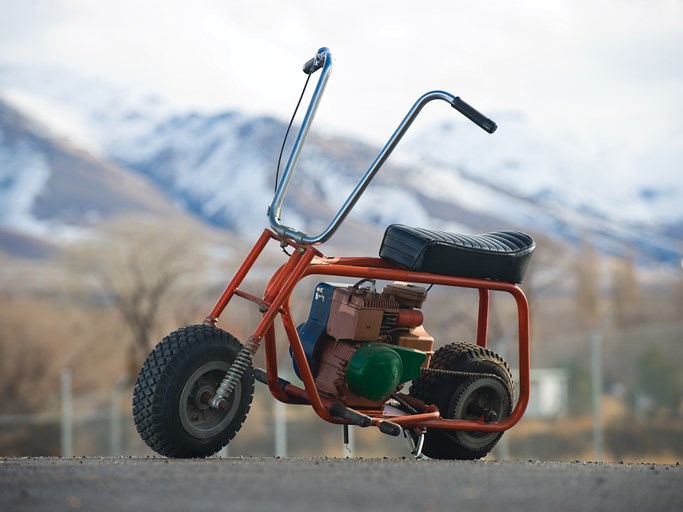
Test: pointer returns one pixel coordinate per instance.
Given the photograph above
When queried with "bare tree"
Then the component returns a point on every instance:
(625, 292)
(22, 363)
(587, 296)
(137, 266)
(677, 288)
(545, 276)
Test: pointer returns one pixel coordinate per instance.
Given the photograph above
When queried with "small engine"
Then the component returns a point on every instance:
(362, 345)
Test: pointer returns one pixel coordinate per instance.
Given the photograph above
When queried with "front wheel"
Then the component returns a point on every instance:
(172, 392)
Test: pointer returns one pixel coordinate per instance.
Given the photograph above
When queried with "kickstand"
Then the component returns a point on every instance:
(346, 439)
(415, 441)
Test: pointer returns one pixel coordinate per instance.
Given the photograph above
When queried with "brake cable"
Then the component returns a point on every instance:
(282, 149)
(291, 121)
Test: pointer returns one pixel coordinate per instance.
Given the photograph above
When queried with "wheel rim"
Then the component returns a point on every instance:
(478, 398)
(196, 416)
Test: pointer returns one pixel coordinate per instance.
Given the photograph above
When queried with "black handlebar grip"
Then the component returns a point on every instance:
(474, 115)
(309, 66)
(313, 65)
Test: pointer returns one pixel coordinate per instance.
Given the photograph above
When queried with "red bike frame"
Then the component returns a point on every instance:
(306, 260)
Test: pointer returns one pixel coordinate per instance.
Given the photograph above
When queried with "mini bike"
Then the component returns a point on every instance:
(360, 346)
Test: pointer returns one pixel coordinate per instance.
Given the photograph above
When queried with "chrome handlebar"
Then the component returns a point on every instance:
(323, 59)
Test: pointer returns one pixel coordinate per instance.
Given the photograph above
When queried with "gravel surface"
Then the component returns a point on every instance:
(301, 484)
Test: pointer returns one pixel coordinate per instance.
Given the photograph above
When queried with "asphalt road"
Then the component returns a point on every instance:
(297, 484)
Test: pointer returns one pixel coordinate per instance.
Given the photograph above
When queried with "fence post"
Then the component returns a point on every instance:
(67, 414)
(115, 435)
(596, 373)
(280, 414)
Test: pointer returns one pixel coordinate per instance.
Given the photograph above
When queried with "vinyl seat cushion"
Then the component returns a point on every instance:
(499, 255)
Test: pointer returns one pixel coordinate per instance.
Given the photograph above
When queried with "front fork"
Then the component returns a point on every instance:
(277, 294)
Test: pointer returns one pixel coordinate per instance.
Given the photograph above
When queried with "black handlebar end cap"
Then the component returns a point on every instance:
(309, 66)
(474, 115)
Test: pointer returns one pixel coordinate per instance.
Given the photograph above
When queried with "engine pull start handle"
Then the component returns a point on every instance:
(474, 115)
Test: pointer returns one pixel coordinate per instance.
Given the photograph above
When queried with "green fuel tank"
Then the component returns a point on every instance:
(376, 369)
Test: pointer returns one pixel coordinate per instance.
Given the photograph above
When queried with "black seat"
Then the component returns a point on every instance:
(500, 255)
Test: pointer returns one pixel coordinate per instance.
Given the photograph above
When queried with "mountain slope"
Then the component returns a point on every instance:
(559, 168)
(570, 188)
(48, 187)
(221, 166)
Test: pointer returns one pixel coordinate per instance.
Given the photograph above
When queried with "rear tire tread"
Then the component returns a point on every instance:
(438, 389)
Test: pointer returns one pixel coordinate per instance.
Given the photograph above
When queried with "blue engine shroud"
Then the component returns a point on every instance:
(315, 327)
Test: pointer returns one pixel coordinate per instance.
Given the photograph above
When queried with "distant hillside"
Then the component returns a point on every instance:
(21, 245)
(48, 186)
(220, 167)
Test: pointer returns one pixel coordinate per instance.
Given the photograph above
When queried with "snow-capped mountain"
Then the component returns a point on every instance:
(221, 166)
(572, 187)
(560, 169)
(50, 190)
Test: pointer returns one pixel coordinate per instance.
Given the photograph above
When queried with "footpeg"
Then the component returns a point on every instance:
(339, 410)
(390, 428)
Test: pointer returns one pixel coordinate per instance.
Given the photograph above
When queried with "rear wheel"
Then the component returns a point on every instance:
(481, 389)
(172, 393)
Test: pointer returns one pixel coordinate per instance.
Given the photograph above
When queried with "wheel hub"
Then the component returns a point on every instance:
(480, 398)
(203, 397)
(196, 415)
